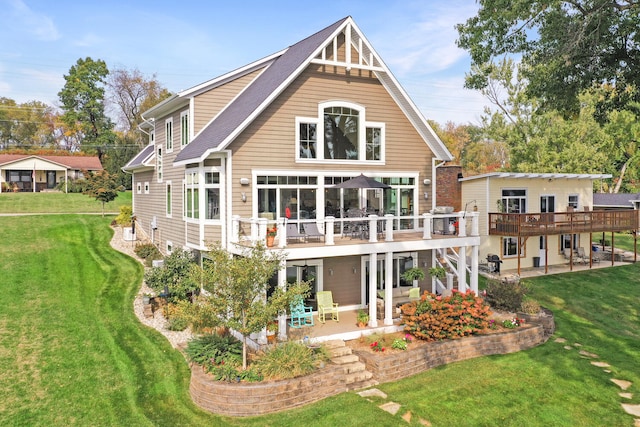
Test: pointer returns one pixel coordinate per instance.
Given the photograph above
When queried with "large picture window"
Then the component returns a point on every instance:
(339, 133)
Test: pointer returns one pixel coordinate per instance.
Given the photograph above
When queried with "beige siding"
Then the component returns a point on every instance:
(210, 103)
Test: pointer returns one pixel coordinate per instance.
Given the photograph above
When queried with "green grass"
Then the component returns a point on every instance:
(59, 203)
(73, 353)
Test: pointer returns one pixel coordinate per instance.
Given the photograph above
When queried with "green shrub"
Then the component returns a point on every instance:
(177, 273)
(73, 185)
(288, 360)
(148, 252)
(437, 318)
(530, 306)
(124, 217)
(213, 350)
(506, 296)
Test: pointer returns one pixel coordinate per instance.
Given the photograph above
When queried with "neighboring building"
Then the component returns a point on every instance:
(616, 201)
(533, 219)
(34, 173)
(274, 142)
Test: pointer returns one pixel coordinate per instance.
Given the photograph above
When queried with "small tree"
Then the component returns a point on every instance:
(178, 273)
(238, 290)
(102, 186)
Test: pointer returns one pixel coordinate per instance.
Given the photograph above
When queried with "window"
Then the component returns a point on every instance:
(191, 199)
(547, 204)
(567, 243)
(510, 247)
(168, 134)
(152, 137)
(339, 133)
(573, 201)
(514, 201)
(168, 210)
(139, 188)
(212, 191)
(146, 188)
(169, 247)
(159, 163)
(184, 128)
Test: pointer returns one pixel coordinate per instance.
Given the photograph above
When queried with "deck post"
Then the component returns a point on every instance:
(373, 290)
(388, 289)
(328, 231)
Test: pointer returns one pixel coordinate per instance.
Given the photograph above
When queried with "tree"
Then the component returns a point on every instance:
(82, 99)
(102, 186)
(238, 290)
(566, 47)
(28, 125)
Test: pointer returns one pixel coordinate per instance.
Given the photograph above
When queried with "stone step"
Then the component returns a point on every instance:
(348, 358)
(331, 344)
(357, 377)
(339, 351)
(354, 367)
(359, 385)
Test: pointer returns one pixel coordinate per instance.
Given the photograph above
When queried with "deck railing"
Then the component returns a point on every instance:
(538, 224)
(369, 229)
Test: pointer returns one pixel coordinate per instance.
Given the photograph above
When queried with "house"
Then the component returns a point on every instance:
(539, 219)
(35, 173)
(276, 144)
(616, 201)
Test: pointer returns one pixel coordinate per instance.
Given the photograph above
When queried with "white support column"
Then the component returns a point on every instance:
(426, 227)
(282, 284)
(475, 223)
(388, 228)
(373, 288)
(373, 228)
(235, 233)
(474, 268)
(462, 225)
(462, 269)
(328, 231)
(388, 289)
(261, 234)
(282, 233)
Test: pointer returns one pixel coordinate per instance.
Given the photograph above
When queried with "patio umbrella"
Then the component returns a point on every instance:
(361, 181)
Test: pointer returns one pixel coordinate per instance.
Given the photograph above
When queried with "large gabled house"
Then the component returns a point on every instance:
(275, 145)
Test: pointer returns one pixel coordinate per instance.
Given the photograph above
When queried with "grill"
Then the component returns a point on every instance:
(494, 263)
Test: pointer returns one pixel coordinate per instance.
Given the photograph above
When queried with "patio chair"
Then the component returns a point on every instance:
(311, 231)
(301, 315)
(414, 294)
(294, 234)
(584, 257)
(327, 306)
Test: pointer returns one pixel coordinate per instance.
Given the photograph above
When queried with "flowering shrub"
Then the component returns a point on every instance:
(436, 318)
(377, 346)
(493, 324)
(399, 344)
(513, 323)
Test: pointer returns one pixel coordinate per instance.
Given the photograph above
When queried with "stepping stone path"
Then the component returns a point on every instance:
(390, 407)
(623, 384)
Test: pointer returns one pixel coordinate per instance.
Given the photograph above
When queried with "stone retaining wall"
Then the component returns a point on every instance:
(248, 399)
(393, 366)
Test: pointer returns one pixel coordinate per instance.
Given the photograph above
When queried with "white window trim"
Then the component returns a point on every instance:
(139, 188)
(146, 187)
(168, 186)
(184, 135)
(200, 174)
(159, 162)
(203, 188)
(168, 139)
(362, 136)
(577, 196)
(169, 247)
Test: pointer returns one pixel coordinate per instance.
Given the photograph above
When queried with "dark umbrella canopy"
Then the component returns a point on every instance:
(361, 181)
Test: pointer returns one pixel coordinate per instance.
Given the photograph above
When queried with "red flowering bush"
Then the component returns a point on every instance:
(435, 318)
(376, 346)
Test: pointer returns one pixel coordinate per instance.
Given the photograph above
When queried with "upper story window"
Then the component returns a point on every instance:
(340, 133)
(184, 128)
(212, 194)
(514, 201)
(168, 134)
(573, 201)
(159, 162)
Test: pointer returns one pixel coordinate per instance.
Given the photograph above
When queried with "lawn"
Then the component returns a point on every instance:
(73, 353)
(59, 203)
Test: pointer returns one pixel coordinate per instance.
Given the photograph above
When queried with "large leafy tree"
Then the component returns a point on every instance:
(82, 99)
(565, 47)
(28, 125)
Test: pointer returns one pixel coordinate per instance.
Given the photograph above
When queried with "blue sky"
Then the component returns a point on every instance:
(185, 43)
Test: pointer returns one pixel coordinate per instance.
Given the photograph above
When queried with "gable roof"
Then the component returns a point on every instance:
(281, 69)
(618, 200)
(70, 162)
(142, 160)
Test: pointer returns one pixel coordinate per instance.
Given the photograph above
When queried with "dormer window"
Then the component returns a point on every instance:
(344, 136)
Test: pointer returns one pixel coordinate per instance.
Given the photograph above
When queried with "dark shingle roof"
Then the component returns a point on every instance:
(619, 200)
(252, 99)
(140, 158)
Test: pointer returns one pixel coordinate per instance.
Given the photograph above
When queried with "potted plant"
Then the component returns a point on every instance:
(363, 318)
(438, 272)
(272, 330)
(271, 235)
(414, 273)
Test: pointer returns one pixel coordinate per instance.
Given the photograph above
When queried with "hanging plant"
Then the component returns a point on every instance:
(414, 273)
(439, 272)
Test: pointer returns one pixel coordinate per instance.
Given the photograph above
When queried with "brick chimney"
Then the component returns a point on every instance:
(448, 188)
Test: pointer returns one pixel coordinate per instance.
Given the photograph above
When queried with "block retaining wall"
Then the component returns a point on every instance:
(249, 399)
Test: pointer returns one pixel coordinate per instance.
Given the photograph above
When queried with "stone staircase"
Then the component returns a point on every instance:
(355, 373)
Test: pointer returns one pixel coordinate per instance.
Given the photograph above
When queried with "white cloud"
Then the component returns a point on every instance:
(38, 25)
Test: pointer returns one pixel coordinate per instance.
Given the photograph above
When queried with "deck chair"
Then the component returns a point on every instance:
(311, 231)
(414, 294)
(294, 234)
(301, 315)
(327, 306)
(583, 256)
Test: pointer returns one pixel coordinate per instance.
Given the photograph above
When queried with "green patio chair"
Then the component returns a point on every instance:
(301, 315)
(327, 306)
